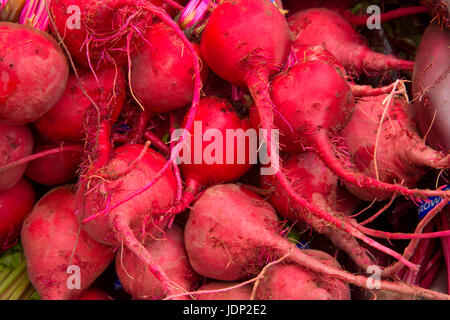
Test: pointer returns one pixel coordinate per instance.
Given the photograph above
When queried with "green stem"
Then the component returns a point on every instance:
(4, 273)
(8, 293)
(21, 287)
(12, 276)
(28, 292)
(33, 295)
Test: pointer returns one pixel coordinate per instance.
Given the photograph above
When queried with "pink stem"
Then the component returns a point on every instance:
(104, 145)
(365, 90)
(373, 217)
(39, 155)
(194, 11)
(191, 191)
(34, 14)
(403, 236)
(292, 59)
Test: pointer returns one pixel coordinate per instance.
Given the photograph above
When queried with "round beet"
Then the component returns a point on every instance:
(58, 251)
(221, 147)
(231, 159)
(124, 179)
(162, 73)
(33, 73)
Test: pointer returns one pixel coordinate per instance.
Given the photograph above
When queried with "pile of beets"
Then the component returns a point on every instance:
(227, 149)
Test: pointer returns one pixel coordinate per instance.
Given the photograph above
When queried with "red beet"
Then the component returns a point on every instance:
(169, 252)
(33, 73)
(401, 154)
(232, 159)
(110, 211)
(323, 26)
(74, 114)
(54, 169)
(162, 73)
(219, 149)
(15, 204)
(94, 30)
(431, 84)
(62, 259)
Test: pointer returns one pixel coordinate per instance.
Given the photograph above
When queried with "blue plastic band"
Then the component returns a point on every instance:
(117, 285)
(303, 245)
(426, 207)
